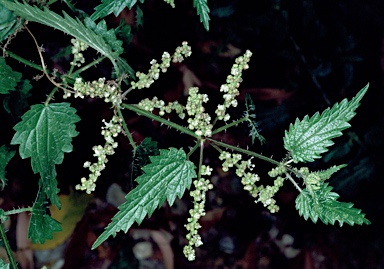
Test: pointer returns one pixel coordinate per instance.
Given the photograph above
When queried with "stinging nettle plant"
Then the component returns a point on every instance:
(46, 130)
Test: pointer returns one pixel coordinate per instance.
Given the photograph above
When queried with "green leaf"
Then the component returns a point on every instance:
(42, 225)
(69, 25)
(326, 174)
(146, 149)
(252, 124)
(322, 204)
(16, 101)
(48, 184)
(8, 23)
(308, 138)
(139, 17)
(3, 265)
(124, 31)
(8, 77)
(111, 6)
(45, 133)
(203, 11)
(167, 176)
(5, 156)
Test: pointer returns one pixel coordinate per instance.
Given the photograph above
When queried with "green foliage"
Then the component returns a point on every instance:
(252, 124)
(16, 101)
(4, 266)
(326, 174)
(8, 77)
(322, 204)
(165, 178)
(8, 23)
(44, 134)
(309, 138)
(111, 6)
(5, 156)
(139, 17)
(42, 225)
(203, 11)
(75, 28)
(146, 149)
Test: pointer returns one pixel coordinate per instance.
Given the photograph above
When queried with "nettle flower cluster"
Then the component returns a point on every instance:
(146, 80)
(198, 121)
(202, 185)
(78, 47)
(248, 179)
(110, 130)
(231, 88)
(97, 88)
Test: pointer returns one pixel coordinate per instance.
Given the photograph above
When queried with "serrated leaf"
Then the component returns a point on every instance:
(111, 6)
(310, 137)
(108, 35)
(45, 133)
(8, 77)
(41, 225)
(167, 176)
(252, 124)
(16, 101)
(69, 25)
(48, 184)
(142, 153)
(322, 204)
(8, 23)
(139, 17)
(326, 174)
(203, 11)
(5, 156)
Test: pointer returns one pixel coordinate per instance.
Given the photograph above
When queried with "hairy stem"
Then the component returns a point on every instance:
(148, 114)
(19, 210)
(250, 153)
(193, 149)
(24, 61)
(293, 182)
(222, 128)
(91, 64)
(127, 132)
(7, 247)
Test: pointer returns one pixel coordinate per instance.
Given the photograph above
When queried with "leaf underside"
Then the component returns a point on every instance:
(310, 137)
(165, 178)
(323, 205)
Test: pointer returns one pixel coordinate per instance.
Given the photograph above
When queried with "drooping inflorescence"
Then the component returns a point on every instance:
(202, 185)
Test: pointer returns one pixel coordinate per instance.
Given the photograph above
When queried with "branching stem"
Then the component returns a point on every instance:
(250, 153)
(222, 128)
(126, 130)
(171, 124)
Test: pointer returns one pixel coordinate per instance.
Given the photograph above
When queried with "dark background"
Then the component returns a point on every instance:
(307, 55)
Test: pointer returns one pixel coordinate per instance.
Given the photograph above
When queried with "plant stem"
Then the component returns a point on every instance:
(19, 210)
(222, 128)
(250, 153)
(7, 247)
(127, 132)
(200, 158)
(293, 182)
(193, 149)
(24, 61)
(50, 96)
(148, 114)
(91, 64)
